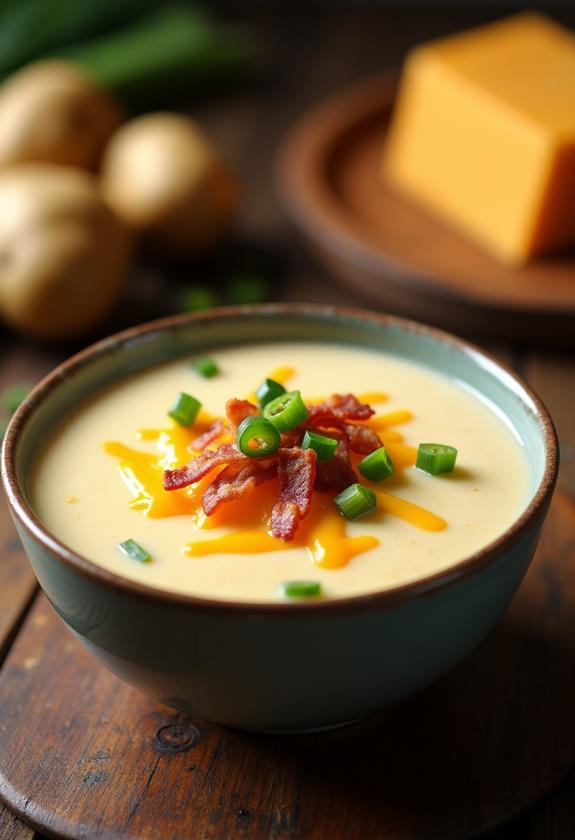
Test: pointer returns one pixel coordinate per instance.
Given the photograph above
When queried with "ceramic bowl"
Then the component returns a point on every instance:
(280, 667)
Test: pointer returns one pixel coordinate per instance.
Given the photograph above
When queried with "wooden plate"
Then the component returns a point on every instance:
(84, 756)
(393, 252)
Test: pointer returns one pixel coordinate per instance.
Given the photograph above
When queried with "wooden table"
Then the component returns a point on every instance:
(304, 60)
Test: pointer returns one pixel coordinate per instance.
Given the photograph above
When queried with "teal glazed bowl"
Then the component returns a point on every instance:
(279, 666)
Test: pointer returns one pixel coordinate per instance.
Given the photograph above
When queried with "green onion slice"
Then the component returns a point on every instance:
(286, 411)
(247, 288)
(185, 409)
(206, 367)
(257, 437)
(134, 551)
(13, 395)
(269, 390)
(300, 588)
(355, 501)
(323, 446)
(197, 298)
(377, 465)
(435, 458)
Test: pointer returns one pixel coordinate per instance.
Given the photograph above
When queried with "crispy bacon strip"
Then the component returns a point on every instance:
(296, 470)
(344, 407)
(238, 410)
(200, 466)
(336, 412)
(292, 438)
(362, 439)
(235, 481)
(211, 434)
(323, 419)
(338, 473)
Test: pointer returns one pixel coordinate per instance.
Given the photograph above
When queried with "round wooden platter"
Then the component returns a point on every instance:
(84, 756)
(393, 252)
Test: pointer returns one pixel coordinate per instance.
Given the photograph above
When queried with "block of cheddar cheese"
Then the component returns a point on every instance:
(483, 135)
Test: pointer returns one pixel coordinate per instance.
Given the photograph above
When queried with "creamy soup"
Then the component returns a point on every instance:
(98, 480)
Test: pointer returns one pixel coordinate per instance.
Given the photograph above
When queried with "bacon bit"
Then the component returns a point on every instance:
(211, 434)
(296, 470)
(201, 465)
(292, 438)
(335, 413)
(344, 407)
(362, 439)
(235, 481)
(338, 473)
(323, 419)
(238, 410)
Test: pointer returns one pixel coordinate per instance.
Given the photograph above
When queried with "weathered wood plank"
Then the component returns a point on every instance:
(21, 362)
(12, 828)
(553, 377)
(17, 581)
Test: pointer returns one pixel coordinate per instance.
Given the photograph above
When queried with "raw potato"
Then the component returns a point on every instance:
(165, 179)
(51, 112)
(63, 253)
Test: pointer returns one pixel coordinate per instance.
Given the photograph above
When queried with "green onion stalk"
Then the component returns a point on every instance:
(170, 52)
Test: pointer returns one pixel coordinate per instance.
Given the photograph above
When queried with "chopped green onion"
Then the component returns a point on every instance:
(206, 367)
(377, 465)
(185, 409)
(300, 588)
(13, 395)
(355, 501)
(247, 288)
(197, 298)
(135, 551)
(269, 390)
(435, 458)
(257, 437)
(286, 411)
(324, 447)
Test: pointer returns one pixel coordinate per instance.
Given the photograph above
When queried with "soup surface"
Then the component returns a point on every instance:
(98, 479)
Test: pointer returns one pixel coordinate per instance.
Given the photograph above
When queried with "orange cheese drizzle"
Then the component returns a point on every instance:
(323, 532)
(392, 418)
(418, 516)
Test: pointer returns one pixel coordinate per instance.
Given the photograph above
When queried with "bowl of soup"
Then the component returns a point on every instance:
(280, 518)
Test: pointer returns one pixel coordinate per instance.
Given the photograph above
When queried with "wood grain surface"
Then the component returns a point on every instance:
(306, 58)
(83, 755)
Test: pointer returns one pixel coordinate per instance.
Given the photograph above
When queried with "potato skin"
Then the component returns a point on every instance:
(63, 253)
(165, 179)
(51, 112)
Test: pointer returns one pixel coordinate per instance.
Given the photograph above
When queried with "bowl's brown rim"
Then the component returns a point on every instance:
(304, 193)
(469, 565)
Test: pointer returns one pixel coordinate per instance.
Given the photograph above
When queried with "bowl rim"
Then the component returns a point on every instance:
(467, 566)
